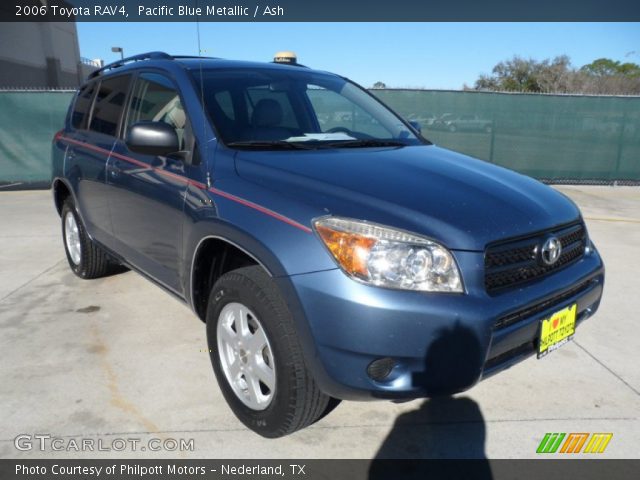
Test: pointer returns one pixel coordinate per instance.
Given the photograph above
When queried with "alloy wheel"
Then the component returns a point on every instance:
(246, 356)
(72, 238)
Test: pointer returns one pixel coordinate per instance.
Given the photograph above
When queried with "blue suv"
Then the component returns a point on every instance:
(332, 251)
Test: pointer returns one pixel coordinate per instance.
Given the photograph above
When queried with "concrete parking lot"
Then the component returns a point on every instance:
(119, 358)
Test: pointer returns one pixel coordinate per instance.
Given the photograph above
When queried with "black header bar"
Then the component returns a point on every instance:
(319, 10)
(114, 469)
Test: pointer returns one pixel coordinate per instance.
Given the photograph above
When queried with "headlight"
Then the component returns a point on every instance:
(387, 257)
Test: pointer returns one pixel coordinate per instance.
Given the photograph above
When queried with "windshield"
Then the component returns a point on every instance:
(271, 108)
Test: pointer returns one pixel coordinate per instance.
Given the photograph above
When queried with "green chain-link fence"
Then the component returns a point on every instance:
(28, 121)
(559, 138)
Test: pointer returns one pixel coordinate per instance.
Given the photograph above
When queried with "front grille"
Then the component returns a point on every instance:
(532, 310)
(523, 349)
(514, 262)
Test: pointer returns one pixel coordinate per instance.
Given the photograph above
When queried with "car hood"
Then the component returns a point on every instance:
(459, 201)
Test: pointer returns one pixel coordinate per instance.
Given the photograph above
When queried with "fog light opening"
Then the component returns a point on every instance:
(380, 369)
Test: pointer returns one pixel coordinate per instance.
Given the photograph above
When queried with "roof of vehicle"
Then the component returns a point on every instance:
(188, 62)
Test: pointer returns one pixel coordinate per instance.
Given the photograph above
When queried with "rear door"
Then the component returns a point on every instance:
(147, 196)
(95, 122)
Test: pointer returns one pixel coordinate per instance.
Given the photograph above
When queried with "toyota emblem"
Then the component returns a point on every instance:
(550, 251)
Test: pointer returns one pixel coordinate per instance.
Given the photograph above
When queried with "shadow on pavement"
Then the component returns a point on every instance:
(443, 427)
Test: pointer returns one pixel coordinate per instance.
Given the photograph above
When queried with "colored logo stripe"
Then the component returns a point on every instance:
(598, 442)
(550, 443)
(574, 442)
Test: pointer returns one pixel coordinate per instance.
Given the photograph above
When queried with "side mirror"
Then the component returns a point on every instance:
(152, 138)
(416, 126)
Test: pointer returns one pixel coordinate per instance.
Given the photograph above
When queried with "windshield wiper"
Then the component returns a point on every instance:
(270, 145)
(366, 142)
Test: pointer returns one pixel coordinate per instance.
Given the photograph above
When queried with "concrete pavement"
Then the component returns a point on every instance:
(118, 358)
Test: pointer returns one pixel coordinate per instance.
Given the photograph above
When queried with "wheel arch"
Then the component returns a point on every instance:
(61, 191)
(213, 256)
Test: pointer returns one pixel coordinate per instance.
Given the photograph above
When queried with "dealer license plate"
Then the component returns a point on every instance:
(557, 330)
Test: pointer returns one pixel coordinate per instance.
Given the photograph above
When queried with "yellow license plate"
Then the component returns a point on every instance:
(557, 330)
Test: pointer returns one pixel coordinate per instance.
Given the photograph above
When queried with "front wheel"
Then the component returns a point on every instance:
(257, 356)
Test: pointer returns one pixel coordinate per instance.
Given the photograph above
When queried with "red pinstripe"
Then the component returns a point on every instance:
(261, 209)
(188, 181)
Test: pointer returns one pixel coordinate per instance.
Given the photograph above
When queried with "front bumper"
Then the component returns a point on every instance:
(441, 343)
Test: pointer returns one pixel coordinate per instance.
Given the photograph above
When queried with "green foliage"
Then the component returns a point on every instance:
(602, 76)
(603, 67)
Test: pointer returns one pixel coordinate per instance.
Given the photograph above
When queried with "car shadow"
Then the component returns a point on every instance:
(442, 427)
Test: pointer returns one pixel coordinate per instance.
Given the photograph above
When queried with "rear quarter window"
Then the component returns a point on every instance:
(82, 106)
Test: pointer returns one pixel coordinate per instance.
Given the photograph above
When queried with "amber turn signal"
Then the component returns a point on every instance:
(350, 250)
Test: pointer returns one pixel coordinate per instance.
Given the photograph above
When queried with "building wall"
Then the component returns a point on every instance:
(39, 55)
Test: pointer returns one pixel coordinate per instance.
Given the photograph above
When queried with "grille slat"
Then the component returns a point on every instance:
(511, 263)
(532, 310)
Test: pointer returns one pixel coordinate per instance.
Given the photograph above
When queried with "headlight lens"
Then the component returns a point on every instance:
(389, 258)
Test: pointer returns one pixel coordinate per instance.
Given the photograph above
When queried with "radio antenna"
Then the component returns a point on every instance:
(202, 120)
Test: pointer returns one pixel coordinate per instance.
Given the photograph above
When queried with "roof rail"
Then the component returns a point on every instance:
(135, 58)
(193, 57)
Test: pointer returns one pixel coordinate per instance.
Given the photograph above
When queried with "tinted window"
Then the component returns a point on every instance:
(336, 112)
(296, 105)
(81, 108)
(258, 96)
(225, 102)
(108, 105)
(156, 100)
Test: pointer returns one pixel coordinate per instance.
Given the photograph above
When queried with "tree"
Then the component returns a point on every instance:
(527, 75)
(602, 76)
(379, 85)
(603, 67)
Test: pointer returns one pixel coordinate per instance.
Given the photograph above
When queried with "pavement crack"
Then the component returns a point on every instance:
(30, 280)
(631, 387)
(117, 399)
(341, 426)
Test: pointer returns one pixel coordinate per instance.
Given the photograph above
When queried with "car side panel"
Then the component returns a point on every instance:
(85, 163)
(146, 201)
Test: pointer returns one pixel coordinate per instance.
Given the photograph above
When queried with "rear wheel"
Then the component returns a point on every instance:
(86, 258)
(257, 357)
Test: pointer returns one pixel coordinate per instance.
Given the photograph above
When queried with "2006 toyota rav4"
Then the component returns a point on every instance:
(333, 252)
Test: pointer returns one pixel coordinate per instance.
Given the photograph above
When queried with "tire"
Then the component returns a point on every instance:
(247, 300)
(86, 259)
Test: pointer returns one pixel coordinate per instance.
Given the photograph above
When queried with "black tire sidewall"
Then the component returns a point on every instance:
(232, 287)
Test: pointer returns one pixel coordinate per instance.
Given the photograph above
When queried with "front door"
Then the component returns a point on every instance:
(147, 200)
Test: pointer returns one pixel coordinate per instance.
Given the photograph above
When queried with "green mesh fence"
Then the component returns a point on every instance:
(552, 137)
(581, 139)
(28, 121)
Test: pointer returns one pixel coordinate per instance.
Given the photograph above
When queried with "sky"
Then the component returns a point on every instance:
(419, 55)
